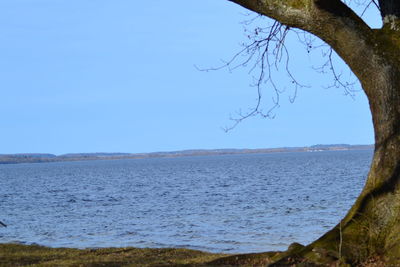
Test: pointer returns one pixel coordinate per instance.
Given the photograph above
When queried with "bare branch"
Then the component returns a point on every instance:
(266, 51)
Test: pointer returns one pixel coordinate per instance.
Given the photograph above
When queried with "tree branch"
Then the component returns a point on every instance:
(331, 20)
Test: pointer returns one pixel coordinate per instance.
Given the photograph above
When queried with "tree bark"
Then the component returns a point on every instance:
(372, 226)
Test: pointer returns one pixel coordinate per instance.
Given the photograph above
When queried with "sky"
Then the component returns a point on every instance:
(123, 76)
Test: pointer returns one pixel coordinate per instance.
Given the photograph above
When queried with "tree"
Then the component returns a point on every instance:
(371, 228)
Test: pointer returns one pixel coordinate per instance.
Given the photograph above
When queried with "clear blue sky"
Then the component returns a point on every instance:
(119, 76)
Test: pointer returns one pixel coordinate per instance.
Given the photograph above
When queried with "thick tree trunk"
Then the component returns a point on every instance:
(371, 229)
(372, 226)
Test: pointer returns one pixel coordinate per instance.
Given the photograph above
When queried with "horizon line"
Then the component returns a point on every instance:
(185, 150)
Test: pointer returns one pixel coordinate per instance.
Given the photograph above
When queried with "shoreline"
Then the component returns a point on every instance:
(46, 158)
(36, 255)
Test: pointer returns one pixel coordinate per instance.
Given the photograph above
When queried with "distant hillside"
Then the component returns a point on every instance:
(26, 158)
(90, 155)
(42, 157)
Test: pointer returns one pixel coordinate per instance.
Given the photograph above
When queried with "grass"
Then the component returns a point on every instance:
(33, 255)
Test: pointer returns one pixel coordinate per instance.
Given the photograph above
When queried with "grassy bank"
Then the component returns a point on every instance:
(33, 255)
(23, 255)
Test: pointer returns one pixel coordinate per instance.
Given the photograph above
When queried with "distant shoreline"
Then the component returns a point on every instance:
(41, 157)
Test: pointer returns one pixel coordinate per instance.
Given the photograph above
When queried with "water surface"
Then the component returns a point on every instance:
(230, 203)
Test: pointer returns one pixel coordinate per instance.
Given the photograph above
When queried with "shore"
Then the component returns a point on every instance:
(34, 255)
(45, 157)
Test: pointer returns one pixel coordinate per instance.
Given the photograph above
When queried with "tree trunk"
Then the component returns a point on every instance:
(372, 227)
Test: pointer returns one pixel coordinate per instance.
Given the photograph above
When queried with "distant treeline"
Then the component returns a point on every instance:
(42, 157)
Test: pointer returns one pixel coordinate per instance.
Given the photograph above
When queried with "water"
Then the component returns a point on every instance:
(232, 203)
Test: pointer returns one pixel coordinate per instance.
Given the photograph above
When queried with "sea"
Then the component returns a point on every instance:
(226, 203)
